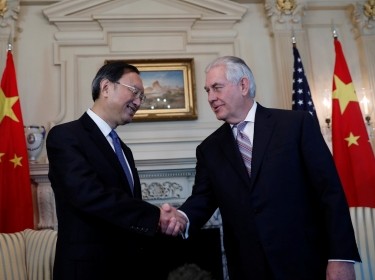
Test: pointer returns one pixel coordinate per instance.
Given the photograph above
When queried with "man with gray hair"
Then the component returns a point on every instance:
(272, 176)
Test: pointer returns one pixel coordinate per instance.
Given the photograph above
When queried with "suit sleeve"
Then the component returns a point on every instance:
(85, 182)
(326, 182)
(200, 206)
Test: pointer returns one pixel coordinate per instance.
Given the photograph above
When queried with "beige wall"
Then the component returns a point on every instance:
(55, 67)
(59, 45)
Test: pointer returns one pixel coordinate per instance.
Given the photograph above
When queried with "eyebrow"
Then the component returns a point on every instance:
(137, 88)
(213, 85)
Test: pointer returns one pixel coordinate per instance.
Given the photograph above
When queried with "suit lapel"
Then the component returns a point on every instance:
(263, 130)
(137, 192)
(102, 143)
(230, 149)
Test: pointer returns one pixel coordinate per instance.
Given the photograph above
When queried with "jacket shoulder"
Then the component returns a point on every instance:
(217, 136)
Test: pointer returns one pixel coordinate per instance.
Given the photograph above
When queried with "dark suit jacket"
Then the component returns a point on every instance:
(291, 216)
(103, 231)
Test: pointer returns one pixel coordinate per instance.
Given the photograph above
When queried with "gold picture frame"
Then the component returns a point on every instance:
(169, 88)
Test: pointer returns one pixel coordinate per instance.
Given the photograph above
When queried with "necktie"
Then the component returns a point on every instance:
(120, 156)
(244, 145)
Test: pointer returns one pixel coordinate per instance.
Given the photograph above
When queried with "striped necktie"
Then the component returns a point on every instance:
(121, 157)
(244, 145)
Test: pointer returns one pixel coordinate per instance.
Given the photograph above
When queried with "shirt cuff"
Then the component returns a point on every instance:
(185, 234)
(334, 260)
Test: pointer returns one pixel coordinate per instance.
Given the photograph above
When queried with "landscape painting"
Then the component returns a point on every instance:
(169, 89)
(163, 89)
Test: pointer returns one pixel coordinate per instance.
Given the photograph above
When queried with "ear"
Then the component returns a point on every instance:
(104, 86)
(245, 86)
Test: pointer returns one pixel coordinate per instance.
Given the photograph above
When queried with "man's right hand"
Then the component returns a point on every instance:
(171, 221)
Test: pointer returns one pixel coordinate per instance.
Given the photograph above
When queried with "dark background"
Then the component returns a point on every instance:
(202, 248)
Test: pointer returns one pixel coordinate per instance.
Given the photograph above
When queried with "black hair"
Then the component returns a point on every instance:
(112, 71)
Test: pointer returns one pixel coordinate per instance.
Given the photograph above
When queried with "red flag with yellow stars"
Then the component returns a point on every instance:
(16, 208)
(352, 152)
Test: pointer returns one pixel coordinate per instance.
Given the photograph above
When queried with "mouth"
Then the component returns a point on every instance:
(216, 107)
(132, 108)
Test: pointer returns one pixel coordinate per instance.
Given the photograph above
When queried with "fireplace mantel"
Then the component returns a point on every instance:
(162, 181)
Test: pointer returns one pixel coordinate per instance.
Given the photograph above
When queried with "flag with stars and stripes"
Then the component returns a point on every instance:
(301, 97)
(352, 151)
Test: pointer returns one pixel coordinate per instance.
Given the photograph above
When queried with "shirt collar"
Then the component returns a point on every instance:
(250, 115)
(103, 126)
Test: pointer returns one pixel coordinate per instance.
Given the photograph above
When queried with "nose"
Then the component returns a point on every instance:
(137, 101)
(211, 95)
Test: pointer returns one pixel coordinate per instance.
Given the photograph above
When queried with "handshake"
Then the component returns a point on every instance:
(172, 222)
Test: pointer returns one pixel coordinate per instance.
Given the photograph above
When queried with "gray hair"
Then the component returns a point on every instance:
(236, 69)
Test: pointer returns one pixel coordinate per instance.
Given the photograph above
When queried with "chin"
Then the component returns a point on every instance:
(127, 120)
(220, 117)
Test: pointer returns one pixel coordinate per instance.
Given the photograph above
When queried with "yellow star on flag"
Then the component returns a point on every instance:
(352, 139)
(16, 160)
(1, 155)
(344, 93)
(6, 104)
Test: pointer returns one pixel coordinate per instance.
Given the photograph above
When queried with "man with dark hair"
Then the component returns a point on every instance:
(105, 229)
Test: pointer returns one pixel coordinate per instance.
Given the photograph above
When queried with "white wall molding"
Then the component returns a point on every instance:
(60, 44)
(8, 26)
(90, 32)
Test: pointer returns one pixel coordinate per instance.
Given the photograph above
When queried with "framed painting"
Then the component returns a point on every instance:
(169, 89)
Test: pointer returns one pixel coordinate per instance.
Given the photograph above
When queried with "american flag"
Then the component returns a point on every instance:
(301, 96)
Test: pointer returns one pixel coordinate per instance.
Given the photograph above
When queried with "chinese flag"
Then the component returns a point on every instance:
(352, 152)
(16, 208)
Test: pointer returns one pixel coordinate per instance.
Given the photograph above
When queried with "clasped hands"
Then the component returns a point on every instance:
(171, 221)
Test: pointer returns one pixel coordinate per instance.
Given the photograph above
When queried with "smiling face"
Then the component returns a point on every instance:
(229, 101)
(117, 104)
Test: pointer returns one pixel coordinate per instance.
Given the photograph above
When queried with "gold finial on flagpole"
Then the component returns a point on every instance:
(293, 37)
